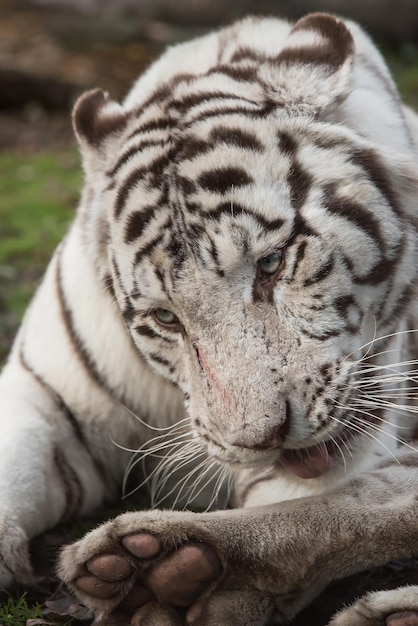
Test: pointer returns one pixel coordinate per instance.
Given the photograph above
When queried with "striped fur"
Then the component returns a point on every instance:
(260, 144)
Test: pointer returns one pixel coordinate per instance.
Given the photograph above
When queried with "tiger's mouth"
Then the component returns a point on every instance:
(316, 460)
(309, 462)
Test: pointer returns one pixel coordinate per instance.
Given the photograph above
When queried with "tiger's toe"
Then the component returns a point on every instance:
(406, 618)
(110, 567)
(180, 578)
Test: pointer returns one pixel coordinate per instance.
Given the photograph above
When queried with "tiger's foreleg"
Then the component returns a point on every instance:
(47, 472)
(60, 421)
(276, 557)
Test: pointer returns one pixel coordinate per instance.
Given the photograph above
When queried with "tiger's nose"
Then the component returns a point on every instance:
(264, 436)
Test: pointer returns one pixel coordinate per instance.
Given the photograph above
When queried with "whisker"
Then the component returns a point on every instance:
(156, 503)
(211, 478)
(156, 428)
(341, 452)
(367, 424)
(141, 456)
(147, 449)
(192, 495)
(219, 483)
(381, 338)
(187, 461)
(356, 428)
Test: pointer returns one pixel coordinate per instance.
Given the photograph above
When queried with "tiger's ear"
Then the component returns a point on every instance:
(314, 70)
(97, 120)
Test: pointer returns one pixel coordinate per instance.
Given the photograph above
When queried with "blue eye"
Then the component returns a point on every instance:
(271, 263)
(165, 317)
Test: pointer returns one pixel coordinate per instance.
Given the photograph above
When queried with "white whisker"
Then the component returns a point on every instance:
(367, 424)
(158, 500)
(356, 428)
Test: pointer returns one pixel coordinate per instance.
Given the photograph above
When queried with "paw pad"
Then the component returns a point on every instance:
(110, 567)
(406, 618)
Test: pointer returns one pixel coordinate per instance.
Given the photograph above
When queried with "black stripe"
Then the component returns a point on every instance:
(125, 189)
(109, 286)
(160, 276)
(298, 179)
(402, 303)
(57, 399)
(164, 123)
(322, 273)
(287, 144)
(151, 173)
(76, 341)
(186, 186)
(298, 258)
(215, 256)
(69, 416)
(191, 147)
(221, 180)
(239, 74)
(345, 304)
(244, 53)
(73, 489)
(132, 151)
(254, 113)
(244, 493)
(193, 100)
(85, 358)
(161, 93)
(236, 137)
(368, 160)
(237, 210)
(301, 252)
(139, 255)
(157, 358)
(380, 272)
(118, 276)
(299, 182)
(146, 331)
(327, 334)
(137, 222)
(128, 312)
(355, 213)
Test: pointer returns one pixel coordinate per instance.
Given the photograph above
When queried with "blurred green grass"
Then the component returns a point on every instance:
(38, 196)
(404, 67)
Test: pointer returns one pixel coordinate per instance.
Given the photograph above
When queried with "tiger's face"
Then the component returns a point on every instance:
(253, 282)
(251, 244)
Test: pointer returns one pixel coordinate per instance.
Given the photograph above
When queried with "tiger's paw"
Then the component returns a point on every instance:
(398, 607)
(126, 568)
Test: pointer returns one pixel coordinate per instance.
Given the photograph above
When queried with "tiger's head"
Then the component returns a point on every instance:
(253, 239)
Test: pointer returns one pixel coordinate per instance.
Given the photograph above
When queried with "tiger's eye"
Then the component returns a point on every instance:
(271, 263)
(165, 317)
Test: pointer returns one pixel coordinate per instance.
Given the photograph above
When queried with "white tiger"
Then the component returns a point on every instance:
(245, 248)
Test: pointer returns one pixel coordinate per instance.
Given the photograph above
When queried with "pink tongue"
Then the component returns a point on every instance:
(307, 462)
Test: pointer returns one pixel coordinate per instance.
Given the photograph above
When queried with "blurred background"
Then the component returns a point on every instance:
(50, 52)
